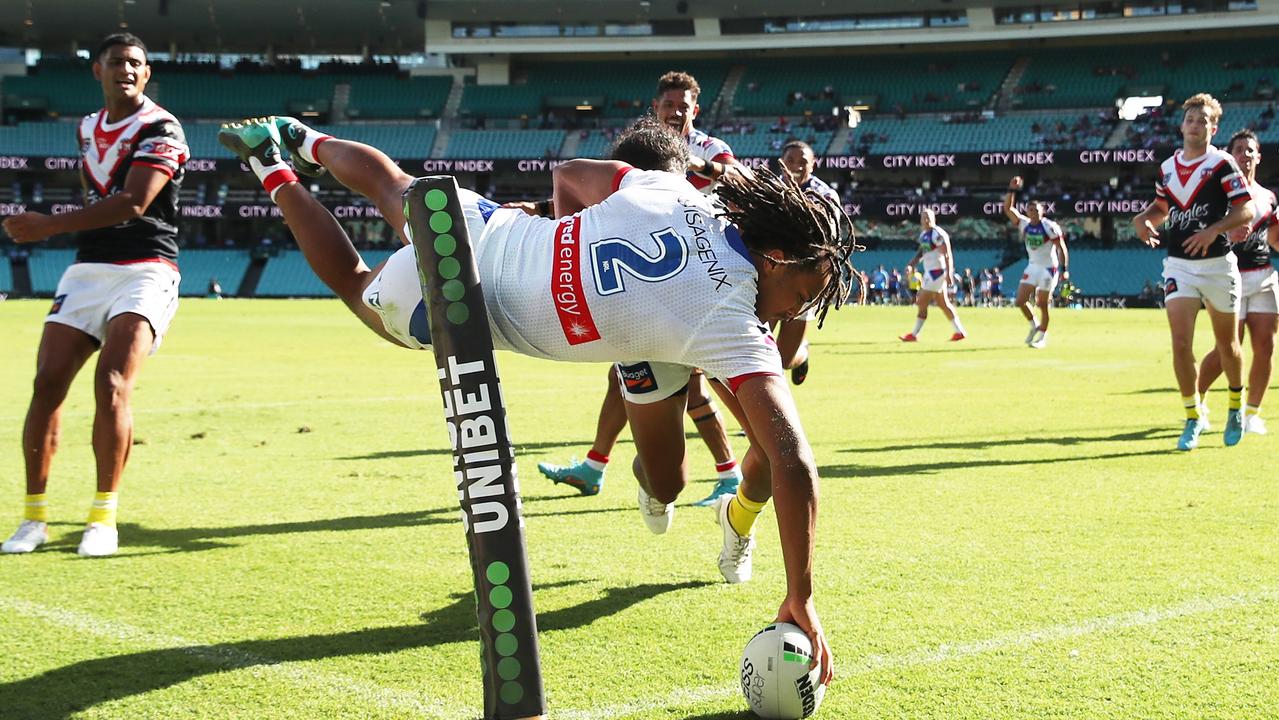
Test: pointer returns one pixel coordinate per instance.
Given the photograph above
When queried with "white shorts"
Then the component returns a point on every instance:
(1215, 281)
(395, 293)
(648, 382)
(934, 281)
(90, 295)
(1260, 292)
(1043, 278)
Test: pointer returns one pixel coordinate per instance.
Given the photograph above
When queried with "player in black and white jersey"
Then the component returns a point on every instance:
(1259, 309)
(798, 160)
(1200, 196)
(121, 293)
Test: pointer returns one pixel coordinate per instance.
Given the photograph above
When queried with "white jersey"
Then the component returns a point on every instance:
(931, 244)
(1038, 238)
(650, 274)
(819, 187)
(701, 145)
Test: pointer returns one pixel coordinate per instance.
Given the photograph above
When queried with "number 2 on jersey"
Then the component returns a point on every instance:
(614, 257)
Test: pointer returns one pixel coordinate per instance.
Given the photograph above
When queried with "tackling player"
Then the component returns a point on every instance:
(780, 252)
(939, 268)
(1044, 242)
(1259, 313)
(1202, 196)
(120, 294)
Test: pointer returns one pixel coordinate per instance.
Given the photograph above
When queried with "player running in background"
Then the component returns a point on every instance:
(118, 297)
(1202, 196)
(781, 252)
(1259, 312)
(939, 267)
(1044, 243)
(798, 161)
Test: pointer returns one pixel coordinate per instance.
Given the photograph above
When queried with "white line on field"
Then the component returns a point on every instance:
(943, 653)
(260, 666)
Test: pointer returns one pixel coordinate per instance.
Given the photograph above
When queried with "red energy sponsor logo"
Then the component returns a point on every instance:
(566, 285)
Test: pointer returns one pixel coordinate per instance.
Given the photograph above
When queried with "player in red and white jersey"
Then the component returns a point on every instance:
(676, 106)
(1045, 246)
(639, 267)
(1259, 306)
(121, 293)
(1200, 197)
(939, 267)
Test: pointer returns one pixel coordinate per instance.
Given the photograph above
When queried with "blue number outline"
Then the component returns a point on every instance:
(611, 256)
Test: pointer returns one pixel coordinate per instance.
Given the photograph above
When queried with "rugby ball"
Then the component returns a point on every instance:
(775, 677)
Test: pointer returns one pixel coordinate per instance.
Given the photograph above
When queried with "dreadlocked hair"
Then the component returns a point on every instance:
(772, 213)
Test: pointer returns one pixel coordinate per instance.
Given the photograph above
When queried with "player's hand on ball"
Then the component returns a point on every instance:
(802, 612)
(1015, 184)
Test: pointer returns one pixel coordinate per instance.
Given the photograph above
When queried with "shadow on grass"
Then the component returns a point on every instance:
(195, 539)
(1131, 436)
(519, 448)
(70, 690)
(866, 471)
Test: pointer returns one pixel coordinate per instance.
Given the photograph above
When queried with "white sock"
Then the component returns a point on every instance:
(274, 176)
(959, 327)
(309, 143)
(919, 326)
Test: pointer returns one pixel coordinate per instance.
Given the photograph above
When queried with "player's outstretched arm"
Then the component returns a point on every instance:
(1010, 201)
(579, 184)
(770, 410)
(141, 186)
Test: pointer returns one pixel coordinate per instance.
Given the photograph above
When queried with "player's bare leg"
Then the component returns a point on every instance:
(948, 309)
(1022, 301)
(1225, 331)
(922, 301)
(736, 514)
(1043, 299)
(1182, 313)
(660, 467)
(128, 342)
(63, 351)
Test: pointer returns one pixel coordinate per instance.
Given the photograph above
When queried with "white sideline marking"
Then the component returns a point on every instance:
(951, 651)
(260, 666)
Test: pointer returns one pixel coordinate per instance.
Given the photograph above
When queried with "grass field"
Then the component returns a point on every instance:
(1005, 533)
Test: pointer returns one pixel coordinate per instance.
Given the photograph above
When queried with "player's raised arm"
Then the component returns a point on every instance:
(581, 183)
(769, 408)
(1010, 201)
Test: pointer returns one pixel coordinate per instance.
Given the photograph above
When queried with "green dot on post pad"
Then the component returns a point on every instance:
(441, 222)
(506, 644)
(500, 596)
(503, 620)
(458, 313)
(498, 572)
(453, 290)
(511, 692)
(436, 199)
(450, 268)
(445, 244)
(508, 668)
